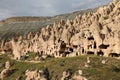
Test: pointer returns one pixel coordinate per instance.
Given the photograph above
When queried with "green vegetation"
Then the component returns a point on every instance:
(96, 71)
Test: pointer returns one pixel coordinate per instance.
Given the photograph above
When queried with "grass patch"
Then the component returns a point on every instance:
(96, 71)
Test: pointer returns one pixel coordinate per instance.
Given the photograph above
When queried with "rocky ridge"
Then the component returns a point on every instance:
(91, 33)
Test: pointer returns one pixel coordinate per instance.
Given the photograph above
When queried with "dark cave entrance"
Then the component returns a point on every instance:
(90, 53)
(103, 46)
(100, 53)
(114, 55)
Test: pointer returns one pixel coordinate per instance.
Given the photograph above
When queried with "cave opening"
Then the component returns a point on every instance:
(103, 46)
(100, 53)
(90, 52)
(114, 55)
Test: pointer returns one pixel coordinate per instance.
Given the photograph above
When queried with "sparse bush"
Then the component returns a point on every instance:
(115, 69)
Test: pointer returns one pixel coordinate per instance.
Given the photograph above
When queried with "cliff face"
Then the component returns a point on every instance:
(90, 33)
(22, 19)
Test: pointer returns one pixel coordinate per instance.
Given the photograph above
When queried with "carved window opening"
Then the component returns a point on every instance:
(114, 55)
(102, 46)
(90, 52)
(90, 38)
(95, 45)
(71, 49)
(100, 53)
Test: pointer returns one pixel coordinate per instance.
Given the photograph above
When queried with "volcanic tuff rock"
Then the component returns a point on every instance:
(91, 33)
(15, 26)
(78, 76)
(67, 75)
(7, 71)
(35, 75)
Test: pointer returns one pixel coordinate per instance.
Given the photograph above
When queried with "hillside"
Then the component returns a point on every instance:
(95, 71)
(84, 45)
(15, 26)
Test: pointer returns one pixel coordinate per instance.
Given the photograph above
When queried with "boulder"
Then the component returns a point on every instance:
(35, 75)
(5, 73)
(66, 75)
(7, 65)
(78, 76)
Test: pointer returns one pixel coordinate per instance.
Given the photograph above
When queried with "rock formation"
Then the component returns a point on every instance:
(91, 33)
(35, 75)
(66, 75)
(78, 76)
(7, 71)
(7, 65)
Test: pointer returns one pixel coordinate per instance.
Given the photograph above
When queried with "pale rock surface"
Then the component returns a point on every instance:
(7, 65)
(35, 75)
(88, 60)
(78, 76)
(91, 32)
(5, 73)
(66, 75)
